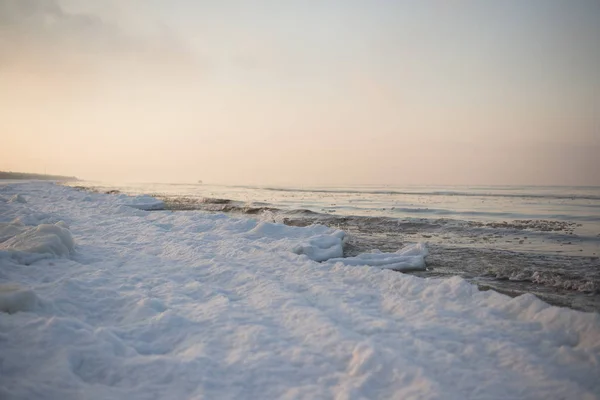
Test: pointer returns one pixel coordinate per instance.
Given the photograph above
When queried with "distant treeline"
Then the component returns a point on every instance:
(24, 175)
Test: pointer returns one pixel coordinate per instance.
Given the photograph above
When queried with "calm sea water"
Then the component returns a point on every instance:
(544, 240)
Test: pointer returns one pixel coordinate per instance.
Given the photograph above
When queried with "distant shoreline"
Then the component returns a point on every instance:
(25, 175)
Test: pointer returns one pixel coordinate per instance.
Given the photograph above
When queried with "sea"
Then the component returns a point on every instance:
(543, 240)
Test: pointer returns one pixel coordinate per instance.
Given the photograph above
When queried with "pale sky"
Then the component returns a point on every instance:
(302, 92)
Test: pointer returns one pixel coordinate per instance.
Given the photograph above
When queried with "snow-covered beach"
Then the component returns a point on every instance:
(102, 299)
(513, 239)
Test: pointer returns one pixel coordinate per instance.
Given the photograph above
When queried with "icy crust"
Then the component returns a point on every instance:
(192, 305)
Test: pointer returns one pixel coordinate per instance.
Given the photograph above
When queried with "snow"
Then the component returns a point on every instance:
(17, 198)
(15, 298)
(11, 229)
(43, 239)
(174, 305)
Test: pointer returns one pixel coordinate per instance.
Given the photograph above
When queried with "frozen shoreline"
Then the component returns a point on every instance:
(190, 304)
(552, 259)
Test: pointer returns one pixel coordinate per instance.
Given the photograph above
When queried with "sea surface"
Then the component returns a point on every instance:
(513, 239)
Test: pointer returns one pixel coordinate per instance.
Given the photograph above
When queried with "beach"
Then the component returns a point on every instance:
(109, 296)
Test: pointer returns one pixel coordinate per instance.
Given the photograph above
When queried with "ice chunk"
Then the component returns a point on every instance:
(144, 202)
(270, 230)
(54, 239)
(323, 247)
(279, 231)
(14, 298)
(409, 258)
(417, 249)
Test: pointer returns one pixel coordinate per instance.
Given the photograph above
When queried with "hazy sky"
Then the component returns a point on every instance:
(302, 92)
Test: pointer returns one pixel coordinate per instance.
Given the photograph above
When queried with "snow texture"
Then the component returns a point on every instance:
(178, 305)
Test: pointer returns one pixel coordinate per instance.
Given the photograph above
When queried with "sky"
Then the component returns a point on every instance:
(302, 92)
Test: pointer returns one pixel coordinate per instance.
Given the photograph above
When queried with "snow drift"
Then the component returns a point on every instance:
(14, 298)
(50, 239)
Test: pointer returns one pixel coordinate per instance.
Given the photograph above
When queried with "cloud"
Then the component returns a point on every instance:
(46, 23)
(45, 32)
